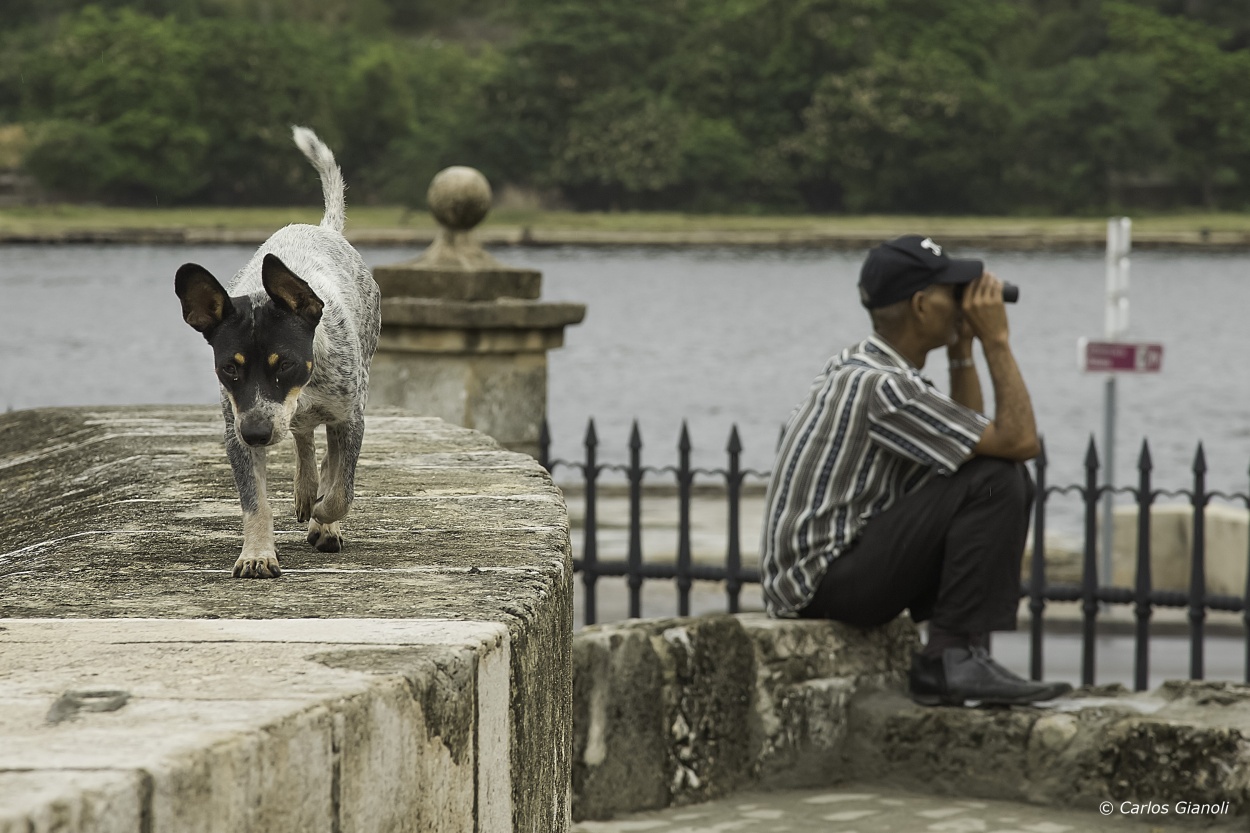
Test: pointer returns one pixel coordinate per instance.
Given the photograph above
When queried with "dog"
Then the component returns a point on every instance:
(292, 339)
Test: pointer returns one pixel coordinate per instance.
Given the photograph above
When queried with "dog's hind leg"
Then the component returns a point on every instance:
(259, 558)
(338, 483)
(305, 473)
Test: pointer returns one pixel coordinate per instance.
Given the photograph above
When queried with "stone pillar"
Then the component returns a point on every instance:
(464, 337)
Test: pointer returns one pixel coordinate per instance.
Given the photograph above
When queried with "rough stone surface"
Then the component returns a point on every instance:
(420, 279)
(672, 711)
(131, 512)
(299, 725)
(71, 800)
(505, 314)
(1187, 741)
(805, 675)
(827, 705)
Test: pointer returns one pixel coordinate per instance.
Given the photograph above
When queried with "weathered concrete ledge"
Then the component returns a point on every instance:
(419, 680)
(674, 711)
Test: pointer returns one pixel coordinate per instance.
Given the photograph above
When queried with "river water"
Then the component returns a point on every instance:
(716, 337)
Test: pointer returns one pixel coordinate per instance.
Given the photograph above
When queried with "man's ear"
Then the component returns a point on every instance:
(289, 291)
(205, 303)
(922, 300)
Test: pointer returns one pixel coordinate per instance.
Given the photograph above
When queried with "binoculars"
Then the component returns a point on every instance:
(1011, 293)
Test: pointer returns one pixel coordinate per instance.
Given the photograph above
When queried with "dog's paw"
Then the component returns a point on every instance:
(257, 565)
(325, 537)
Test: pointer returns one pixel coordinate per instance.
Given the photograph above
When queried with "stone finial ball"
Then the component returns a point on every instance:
(459, 197)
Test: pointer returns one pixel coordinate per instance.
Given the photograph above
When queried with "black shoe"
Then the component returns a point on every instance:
(963, 674)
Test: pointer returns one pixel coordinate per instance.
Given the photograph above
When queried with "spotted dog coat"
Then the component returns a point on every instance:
(292, 337)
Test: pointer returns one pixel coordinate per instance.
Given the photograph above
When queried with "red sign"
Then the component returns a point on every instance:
(1119, 357)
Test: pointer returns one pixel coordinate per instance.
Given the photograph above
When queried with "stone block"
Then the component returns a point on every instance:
(1184, 742)
(1227, 535)
(955, 751)
(670, 711)
(662, 712)
(620, 738)
(503, 396)
(77, 801)
(806, 672)
(249, 782)
(301, 703)
(413, 279)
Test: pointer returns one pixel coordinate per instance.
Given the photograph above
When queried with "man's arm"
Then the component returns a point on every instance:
(1012, 434)
(965, 383)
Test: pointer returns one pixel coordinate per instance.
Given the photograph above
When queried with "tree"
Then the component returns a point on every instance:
(1202, 104)
(118, 109)
(1081, 127)
(923, 134)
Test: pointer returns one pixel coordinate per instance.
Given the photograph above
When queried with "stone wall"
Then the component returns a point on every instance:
(674, 711)
(418, 680)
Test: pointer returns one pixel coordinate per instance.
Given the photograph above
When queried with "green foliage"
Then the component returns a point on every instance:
(924, 132)
(1080, 128)
(1203, 100)
(408, 109)
(728, 105)
(117, 109)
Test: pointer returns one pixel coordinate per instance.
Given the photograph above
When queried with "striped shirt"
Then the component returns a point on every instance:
(870, 430)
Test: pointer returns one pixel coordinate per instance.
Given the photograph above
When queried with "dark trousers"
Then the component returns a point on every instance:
(949, 552)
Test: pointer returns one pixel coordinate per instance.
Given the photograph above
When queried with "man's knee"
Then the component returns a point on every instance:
(1003, 480)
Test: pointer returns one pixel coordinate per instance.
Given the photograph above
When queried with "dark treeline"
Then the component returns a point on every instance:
(944, 106)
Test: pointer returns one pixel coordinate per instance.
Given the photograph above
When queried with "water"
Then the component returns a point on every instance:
(712, 336)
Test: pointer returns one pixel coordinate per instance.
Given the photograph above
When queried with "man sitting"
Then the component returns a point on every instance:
(889, 495)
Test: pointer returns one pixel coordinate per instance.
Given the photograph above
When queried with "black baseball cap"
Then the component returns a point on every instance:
(899, 268)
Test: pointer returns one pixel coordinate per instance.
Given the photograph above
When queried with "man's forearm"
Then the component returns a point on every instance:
(1013, 409)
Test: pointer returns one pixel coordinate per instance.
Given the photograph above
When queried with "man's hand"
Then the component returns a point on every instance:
(984, 311)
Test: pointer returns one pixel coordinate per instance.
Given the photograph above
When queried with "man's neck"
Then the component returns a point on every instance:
(913, 352)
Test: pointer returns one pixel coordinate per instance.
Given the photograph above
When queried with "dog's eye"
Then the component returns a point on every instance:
(285, 366)
(230, 371)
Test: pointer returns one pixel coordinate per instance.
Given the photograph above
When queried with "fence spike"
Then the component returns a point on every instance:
(592, 439)
(735, 444)
(683, 444)
(1041, 450)
(1144, 463)
(1091, 454)
(544, 444)
(1200, 460)
(635, 438)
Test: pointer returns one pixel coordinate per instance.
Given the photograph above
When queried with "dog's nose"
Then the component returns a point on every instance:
(255, 432)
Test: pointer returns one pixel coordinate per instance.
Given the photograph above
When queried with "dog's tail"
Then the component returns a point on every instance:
(332, 185)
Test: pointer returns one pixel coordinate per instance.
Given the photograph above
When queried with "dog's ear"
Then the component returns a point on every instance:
(205, 303)
(289, 290)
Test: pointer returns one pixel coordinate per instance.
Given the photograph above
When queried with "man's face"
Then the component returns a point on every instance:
(942, 315)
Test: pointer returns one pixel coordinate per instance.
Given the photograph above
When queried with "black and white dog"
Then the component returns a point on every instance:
(292, 339)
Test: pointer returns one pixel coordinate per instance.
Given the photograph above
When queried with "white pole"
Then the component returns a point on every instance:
(1119, 241)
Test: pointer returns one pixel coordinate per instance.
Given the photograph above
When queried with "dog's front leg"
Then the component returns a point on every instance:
(338, 483)
(259, 558)
(305, 473)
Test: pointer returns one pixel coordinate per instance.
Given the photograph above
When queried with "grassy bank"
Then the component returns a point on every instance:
(53, 220)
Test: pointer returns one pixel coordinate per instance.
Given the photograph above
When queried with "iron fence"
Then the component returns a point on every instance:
(1092, 596)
